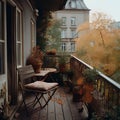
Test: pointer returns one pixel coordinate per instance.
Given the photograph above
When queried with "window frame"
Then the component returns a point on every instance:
(2, 39)
(63, 33)
(73, 21)
(32, 27)
(73, 32)
(19, 38)
(72, 44)
(64, 19)
(63, 46)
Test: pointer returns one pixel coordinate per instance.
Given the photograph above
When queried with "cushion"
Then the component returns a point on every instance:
(40, 85)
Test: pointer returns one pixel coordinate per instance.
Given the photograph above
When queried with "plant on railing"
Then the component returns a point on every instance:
(113, 115)
(90, 75)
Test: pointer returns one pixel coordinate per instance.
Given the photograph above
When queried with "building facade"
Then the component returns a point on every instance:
(18, 20)
(74, 14)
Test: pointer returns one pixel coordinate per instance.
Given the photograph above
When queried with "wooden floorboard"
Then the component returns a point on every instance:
(60, 107)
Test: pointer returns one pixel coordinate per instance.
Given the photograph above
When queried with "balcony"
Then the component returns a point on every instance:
(106, 96)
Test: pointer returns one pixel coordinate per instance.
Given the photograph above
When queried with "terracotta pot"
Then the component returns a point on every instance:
(37, 67)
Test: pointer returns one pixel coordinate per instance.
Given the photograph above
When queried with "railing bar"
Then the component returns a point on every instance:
(101, 74)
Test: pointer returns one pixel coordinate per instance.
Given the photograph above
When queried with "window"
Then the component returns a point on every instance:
(2, 41)
(63, 20)
(72, 46)
(63, 47)
(63, 33)
(73, 33)
(73, 21)
(32, 33)
(19, 37)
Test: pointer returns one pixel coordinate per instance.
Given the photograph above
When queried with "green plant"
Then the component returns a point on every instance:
(90, 75)
(63, 60)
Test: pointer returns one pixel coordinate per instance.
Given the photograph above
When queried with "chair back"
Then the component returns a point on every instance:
(25, 75)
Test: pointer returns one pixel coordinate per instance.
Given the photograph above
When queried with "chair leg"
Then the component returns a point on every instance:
(45, 100)
(23, 96)
(37, 100)
(50, 96)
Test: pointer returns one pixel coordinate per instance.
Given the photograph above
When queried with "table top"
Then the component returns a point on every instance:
(45, 71)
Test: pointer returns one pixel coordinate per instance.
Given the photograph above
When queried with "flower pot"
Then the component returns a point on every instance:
(37, 67)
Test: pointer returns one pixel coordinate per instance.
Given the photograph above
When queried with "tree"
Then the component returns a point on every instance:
(100, 45)
(53, 36)
(43, 22)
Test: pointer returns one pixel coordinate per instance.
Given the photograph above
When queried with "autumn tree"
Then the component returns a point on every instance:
(99, 45)
(53, 35)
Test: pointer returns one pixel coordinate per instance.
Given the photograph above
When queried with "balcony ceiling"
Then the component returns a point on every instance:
(48, 5)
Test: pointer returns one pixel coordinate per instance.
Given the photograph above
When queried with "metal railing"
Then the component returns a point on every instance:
(108, 91)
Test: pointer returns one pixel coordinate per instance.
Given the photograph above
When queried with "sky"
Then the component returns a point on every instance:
(109, 7)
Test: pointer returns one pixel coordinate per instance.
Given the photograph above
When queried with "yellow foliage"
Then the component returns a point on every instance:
(99, 45)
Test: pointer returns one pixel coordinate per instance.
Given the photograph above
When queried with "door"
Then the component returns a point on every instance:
(11, 54)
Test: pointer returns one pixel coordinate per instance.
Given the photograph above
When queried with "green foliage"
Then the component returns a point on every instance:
(43, 22)
(53, 36)
(90, 75)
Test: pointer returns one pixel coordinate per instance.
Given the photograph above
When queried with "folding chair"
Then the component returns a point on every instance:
(39, 89)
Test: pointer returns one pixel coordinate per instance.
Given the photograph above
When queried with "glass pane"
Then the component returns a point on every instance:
(1, 20)
(32, 33)
(18, 26)
(2, 63)
(73, 20)
(63, 20)
(18, 54)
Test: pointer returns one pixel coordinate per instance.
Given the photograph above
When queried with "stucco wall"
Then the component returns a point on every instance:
(27, 16)
(81, 17)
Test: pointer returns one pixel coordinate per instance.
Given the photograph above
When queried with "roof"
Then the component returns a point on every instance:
(76, 4)
(48, 5)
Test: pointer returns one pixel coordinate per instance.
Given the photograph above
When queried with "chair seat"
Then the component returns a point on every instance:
(40, 85)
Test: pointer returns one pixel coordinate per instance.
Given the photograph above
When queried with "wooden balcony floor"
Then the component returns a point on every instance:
(60, 107)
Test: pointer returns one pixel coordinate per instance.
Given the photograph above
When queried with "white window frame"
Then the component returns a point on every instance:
(64, 20)
(73, 21)
(63, 33)
(32, 23)
(2, 40)
(73, 33)
(72, 46)
(19, 37)
(63, 46)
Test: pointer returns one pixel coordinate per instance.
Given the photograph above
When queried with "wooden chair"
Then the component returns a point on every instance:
(39, 89)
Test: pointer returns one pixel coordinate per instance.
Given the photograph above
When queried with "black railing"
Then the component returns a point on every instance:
(108, 91)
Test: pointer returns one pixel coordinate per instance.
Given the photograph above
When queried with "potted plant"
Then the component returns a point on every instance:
(36, 59)
(90, 77)
(51, 52)
(62, 64)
